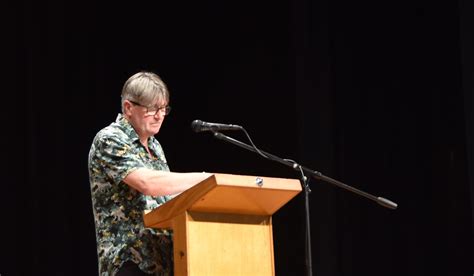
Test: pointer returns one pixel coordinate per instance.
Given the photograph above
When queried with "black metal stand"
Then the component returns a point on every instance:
(309, 260)
(304, 182)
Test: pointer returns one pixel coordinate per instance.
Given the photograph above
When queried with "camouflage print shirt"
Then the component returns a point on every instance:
(118, 209)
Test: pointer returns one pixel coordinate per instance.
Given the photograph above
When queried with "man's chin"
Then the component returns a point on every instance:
(155, 130)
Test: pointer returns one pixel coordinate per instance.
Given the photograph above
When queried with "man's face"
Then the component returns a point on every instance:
(146, 120)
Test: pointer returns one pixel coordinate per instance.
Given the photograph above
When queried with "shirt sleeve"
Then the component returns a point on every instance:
(117, 158)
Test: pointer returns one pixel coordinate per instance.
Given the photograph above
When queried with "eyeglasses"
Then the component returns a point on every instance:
(152, 111)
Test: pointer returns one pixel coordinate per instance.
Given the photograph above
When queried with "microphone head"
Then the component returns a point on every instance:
(196, 125)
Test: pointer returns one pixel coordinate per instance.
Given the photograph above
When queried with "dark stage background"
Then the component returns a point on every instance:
(377, 95)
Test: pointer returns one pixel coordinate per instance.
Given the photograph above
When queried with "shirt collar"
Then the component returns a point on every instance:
(127, 127)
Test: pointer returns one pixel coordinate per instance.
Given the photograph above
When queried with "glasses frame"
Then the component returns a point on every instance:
(166, 109)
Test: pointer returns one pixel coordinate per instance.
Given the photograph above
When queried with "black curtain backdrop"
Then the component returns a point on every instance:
(372, 93)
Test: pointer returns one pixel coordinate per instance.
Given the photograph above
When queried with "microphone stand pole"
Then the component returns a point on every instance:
(304, 182)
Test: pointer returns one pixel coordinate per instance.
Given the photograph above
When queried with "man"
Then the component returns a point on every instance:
(129, 174)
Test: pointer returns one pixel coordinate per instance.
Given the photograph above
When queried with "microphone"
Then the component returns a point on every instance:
(198, 126)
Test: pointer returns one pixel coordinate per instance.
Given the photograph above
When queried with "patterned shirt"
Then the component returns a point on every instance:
(118, 209)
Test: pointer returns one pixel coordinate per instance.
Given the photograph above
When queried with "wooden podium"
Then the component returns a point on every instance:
(223, 226)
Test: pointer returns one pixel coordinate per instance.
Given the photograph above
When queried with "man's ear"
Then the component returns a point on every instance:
(127, 105)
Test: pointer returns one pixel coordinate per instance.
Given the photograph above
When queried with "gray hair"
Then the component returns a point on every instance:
(145, 88)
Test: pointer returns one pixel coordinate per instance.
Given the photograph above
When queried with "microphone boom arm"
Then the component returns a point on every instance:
(315, 174)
